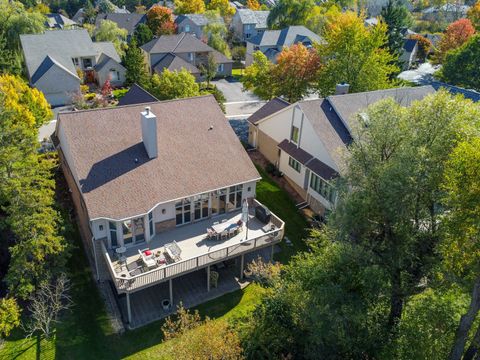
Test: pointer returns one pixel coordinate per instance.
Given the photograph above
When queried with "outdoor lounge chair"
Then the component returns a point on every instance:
(232, 231)
(148, 259)
(224, 234)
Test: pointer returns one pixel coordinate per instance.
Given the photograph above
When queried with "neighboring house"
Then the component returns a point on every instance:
(174, 52)
(127, 21)
(248, 23)
(79, 16)
(152, 186)
(58, 21)
(194, 24)
(449, 12)
(271, 42)
(307, 140)
(455, 90)
(136, 95)
(409, 53)
(53, 58)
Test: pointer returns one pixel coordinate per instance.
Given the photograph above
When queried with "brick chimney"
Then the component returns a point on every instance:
(149, 132)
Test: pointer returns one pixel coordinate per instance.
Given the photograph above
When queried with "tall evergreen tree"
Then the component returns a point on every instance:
(135, 65)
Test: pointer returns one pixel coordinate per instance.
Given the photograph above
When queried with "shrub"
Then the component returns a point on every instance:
(90, 96)
(212, 89)
(119, 93)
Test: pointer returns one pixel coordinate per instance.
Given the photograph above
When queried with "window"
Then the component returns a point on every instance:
(76, 63)
(187, 28)
(127, 232)
(322, 187)
(201, 206)
(247, 35)
(113, 233)
(114, 75)
(182, 210)
(294, 164)
(87, 63)
(220, 68)
(295, 134)
(190, 56)
(150, 224)
(234, 197)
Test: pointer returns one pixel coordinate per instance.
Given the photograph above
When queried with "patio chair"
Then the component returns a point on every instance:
(232, 231)
(148, 258)
(224, 234)
(211, 233)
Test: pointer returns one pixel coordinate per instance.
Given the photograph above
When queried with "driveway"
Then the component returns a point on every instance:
(232, 90)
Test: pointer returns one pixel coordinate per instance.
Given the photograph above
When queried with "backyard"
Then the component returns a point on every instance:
(85, 330)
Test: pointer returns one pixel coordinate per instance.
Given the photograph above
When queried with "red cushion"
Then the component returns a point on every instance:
(148, 252)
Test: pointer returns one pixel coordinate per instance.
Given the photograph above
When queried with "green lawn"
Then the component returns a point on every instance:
(85, 332)
(237, 73)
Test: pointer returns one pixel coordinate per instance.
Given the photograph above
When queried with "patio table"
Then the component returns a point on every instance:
(219, 228)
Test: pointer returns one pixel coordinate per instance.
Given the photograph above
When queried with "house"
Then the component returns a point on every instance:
(307, 140)
(125, 21)
(271, 42)
(79, 16)
(450, 12)
(456, 90)
(58, 21)
(409, 53)
(174, 52)
(136, 95)
(153, 185)
(54, 58)
(195, 23)
(248, 23)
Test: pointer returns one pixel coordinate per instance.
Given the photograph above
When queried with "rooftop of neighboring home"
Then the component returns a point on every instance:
(181, 43)
(172, 62)
(467, 93)
(125, 21)
(136, 95)
(58, 21)
(285, 37)
(59, 48)
(271, 107)
(196, 151)
(199, 19)
(409, 44)
(259, 18)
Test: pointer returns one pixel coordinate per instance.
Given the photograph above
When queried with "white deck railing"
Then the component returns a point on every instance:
(160, 274)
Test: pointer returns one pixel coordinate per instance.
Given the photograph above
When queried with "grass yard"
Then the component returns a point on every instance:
(85, 333)
(237, 73)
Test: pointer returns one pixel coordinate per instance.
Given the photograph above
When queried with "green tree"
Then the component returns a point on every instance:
(209, 70)
(461, 247)
(323, 306)
(354, 54)
(105, 6)
(10, 61)
(90, 13)
(143, 34)
(189, 7)
(462, 66)
(135, 65)
(174, 85)
(223, 7)
(217, 32)
(392, 187)
(289, 12)
(397, 17)
(257, 77)
(9, 316)
(109, 31)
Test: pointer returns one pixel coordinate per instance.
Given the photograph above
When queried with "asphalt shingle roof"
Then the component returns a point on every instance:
(285, 37)
(271, 107)
(128, 22)
(174, 63)
(259, 18)
(199, 19)
(136, 95)
(198, 152)
(468, 94)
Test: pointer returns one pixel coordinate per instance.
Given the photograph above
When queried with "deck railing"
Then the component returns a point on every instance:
(151, 277)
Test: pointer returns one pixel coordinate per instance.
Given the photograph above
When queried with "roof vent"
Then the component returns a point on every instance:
(136, 160)
(210, 128)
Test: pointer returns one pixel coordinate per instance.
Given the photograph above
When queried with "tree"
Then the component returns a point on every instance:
(392, 185)
(396, 17)
(46, 305)
(217, 31)
(89, 12)
(473, 14)
(456, 35)
(295, 72)
(321, 306)
(354, 54)
(461, 66)
(253, 5)
(461, 246)
(9, 316)
(257, 77)
(199, 339)
(289, 12)
(142, 34)
(210, 69)
(160, 20)
(105, 6)
(135, 65)
(189, 7)
(10, 61)
(109, 31)
(174, 85)
(424, 46)
(223, 7)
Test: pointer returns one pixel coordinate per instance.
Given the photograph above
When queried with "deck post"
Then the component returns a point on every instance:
(129, 312)
(208, 278)
(271, 255)
(242, 259)
(171, 291)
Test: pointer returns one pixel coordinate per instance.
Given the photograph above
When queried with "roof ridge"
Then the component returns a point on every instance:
(179, 41)
(378, 90)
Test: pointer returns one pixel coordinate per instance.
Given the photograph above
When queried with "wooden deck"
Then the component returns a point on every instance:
(190, 290)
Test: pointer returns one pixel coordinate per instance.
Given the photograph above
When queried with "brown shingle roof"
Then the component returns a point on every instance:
(271, 107)
(197, 152)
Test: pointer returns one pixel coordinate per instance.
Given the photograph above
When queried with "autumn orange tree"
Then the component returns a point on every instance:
(296, 70)
(160, 20)
(456, 34)
(253, 4)
(424, 46)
